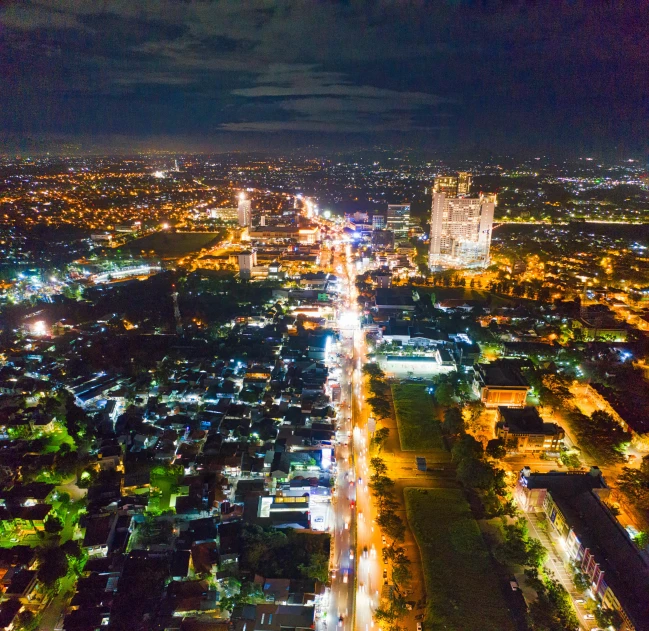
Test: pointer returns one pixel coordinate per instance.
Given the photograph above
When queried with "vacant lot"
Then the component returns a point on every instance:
(461, 587)
(419, 429)
(174, 243)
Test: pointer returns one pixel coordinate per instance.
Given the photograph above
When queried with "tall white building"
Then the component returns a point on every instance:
(460, 227)
(244, 210)
(398, 219)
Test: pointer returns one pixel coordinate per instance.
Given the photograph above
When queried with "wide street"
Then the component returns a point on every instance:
(368, 577)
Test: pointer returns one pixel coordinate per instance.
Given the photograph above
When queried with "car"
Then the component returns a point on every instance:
(589, 616)
(384, 541)
(319, 519)
(419, 626)
(409, 606)
(513, 585)
(365, 552)
(385, 573)
(351, 555)
(345, 577)
(340, 620)
(579, 601)
(333, 573)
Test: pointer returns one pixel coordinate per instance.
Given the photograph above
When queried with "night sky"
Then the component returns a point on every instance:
(206, 74)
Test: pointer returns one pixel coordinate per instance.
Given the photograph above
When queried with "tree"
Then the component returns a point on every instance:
(476, 474)
(380, 406)
(381, 485)
(317, 568)
(378, 466)
(606, 618)
(580, 581)
(570, 460)
(604, 435)
(518, 548)
(401, 574)
(635, 484)
(380, 436)
(554, 390)
(392, 526)
(26, 620)
(53, 525)
(53, 565)
(453, 422)
(466, 447)
(444, 394)
(372, 369)
(496, 449)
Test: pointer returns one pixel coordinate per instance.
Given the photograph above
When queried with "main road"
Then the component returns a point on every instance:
(342, 593)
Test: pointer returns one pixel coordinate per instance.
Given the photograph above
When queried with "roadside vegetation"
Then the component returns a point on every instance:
(394, 530)
(461, 592)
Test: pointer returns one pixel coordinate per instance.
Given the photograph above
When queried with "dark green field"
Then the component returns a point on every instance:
(172, 244)
(419, 428)
(461, 588)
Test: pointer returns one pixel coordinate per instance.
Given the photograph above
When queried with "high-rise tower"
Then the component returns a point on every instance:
(460, 226)
(244, 210)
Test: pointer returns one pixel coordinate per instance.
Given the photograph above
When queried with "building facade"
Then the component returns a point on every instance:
(500, 383)
(592, 539)
(398, 219)
(524, 431)
(460, 228)
(244, 211)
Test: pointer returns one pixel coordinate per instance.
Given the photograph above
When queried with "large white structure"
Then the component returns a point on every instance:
(244, 210)
(460, 227)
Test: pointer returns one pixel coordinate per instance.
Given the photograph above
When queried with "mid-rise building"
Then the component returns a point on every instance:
(460, 227)
(500, 383)
(398, 219)
(244, 210)
(268, 234)
(247, 261)
(228, 215)
(582, 527)
(524, 431)
(378, 222)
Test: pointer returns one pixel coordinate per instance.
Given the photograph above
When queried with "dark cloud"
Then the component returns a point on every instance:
(500, 75)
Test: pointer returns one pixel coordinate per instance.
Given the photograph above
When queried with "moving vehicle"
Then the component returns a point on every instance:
(419, 626)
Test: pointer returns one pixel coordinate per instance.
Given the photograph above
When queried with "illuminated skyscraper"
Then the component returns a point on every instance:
(453, 186)
(460, 226)
(244, 210)
(398, 219)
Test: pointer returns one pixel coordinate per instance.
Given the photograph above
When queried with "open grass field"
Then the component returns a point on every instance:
(462, 591)
(174, 243)
(419, 428)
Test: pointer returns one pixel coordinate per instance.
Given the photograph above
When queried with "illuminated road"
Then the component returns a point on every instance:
(340, 613)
